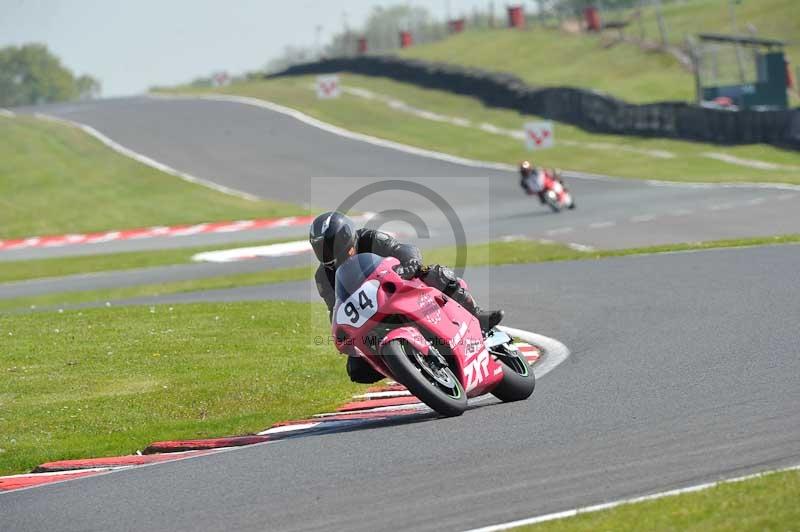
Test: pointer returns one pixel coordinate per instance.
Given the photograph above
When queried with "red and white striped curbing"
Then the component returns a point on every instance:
(113, 461)
(379, 403)
(152, 232)
(30, 480)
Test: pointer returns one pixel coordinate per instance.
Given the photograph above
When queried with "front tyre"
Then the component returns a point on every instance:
(518, 378)
(425, 378)
(552, 200)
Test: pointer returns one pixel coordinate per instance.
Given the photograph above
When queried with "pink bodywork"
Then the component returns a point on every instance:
(432, 313)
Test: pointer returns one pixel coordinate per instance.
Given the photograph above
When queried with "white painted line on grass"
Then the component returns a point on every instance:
(290, 428)
(6, 113)
(513, 238)
(580, 247)
(517, 134)
(750, 163)
(152, 163)
(614, 504)
(283, 249)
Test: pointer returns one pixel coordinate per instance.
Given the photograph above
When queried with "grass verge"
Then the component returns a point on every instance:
(57, 267)
(527, 251)
(493, 253)
(279, 275)
(549, 57)
(56, 179)
(102, 382)
(575, 149)
(768, 502)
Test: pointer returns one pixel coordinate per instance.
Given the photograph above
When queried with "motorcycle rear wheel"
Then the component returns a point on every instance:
(518, 379)
(438, 388)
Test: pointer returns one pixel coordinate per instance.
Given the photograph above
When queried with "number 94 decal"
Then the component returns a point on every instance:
(359, 307)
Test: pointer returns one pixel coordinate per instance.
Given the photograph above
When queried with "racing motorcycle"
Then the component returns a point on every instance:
(416, 335)
(556, 195)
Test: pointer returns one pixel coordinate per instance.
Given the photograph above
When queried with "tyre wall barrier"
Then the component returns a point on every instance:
(589, 110)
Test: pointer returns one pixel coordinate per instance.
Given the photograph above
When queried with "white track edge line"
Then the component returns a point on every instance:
(474, 163)
(613, 504)
(554, 351)
(152, 163)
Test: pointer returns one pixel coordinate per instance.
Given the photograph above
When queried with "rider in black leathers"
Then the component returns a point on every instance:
(334, 238)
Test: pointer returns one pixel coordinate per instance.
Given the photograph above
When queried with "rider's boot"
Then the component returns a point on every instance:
(541, 196)
(486, 318)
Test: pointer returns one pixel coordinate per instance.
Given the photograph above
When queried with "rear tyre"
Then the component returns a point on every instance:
(435, 386)
(518, 379)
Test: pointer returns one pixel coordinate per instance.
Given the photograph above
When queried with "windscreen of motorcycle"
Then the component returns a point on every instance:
(352, 274)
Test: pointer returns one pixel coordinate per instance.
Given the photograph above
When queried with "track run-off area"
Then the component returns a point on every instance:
(684, 367)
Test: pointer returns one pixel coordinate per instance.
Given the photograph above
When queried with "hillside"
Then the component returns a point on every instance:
(549, 57)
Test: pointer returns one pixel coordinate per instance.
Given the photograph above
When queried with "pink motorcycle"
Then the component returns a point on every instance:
(421, 338)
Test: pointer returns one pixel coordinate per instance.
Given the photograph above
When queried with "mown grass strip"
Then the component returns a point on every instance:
(278, 275)
(551, 57)
(768, 502)
(56, 179)
(103, 382)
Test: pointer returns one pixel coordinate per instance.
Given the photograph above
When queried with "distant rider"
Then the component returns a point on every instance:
(531, 179)
(334, 238)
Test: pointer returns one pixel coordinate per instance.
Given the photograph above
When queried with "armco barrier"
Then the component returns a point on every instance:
(586, 109)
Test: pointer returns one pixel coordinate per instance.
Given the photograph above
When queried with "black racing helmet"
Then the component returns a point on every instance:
(332, 235)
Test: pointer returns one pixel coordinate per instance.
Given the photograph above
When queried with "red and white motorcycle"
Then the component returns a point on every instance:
(556, 194)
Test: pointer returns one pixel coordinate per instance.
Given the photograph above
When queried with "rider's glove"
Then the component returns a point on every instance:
(408, 270)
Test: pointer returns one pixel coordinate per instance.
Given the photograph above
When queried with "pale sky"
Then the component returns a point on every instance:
(131, 45)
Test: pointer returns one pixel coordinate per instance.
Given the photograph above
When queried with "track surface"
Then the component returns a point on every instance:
(685, 368)
(276, 156)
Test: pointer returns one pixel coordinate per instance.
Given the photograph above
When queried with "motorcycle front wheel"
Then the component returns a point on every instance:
(435, 386)
(518, 379)
(552, 201)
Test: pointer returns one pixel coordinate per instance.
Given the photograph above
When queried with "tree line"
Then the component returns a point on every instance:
(31, 74)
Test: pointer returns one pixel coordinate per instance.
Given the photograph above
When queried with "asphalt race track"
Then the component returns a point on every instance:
(685, 367)
(267, 153)
(275, 156)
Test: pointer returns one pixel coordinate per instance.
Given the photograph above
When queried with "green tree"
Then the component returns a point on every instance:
(88, 87)
(31, 74)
